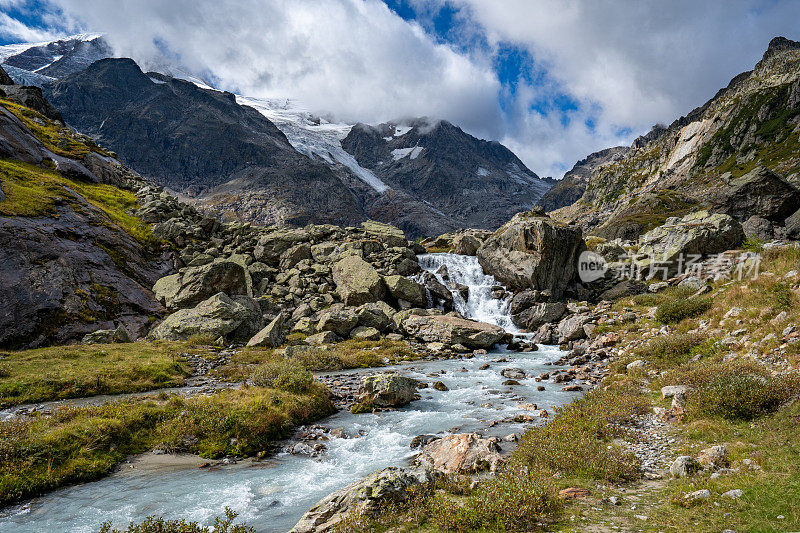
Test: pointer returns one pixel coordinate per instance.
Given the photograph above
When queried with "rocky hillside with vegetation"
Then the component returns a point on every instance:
(736, 154)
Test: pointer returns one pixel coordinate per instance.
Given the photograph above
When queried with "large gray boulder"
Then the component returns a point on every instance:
(388, 390)
(218, 316)
(272, 335)
(700, 233)
(402, 288)
(541, 313)
(338, 320)
(385, 233)
(793, 225)
(365, 496)
(761, 192)
(452, 329)
(357, 282)
(195, 284)
(533, 252)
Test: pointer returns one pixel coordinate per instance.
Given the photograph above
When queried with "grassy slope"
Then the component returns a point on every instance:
(75, 371)
(33, 191)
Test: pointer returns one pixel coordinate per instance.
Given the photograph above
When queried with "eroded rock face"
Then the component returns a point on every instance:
(452, 329)
(465, 453)
(195, 284)
(364, 496)
(58, 282)
(218, 316)
(533, 252)
(698, 233)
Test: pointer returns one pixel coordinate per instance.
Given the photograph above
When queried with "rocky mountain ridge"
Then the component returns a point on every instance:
(750, 128)
(459, 181)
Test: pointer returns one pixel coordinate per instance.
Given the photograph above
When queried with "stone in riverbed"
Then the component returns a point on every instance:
(388, 390)
(365, 496)
(464, 453)
(452, 329)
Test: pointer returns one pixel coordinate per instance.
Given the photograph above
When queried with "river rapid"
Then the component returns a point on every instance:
(272, 495)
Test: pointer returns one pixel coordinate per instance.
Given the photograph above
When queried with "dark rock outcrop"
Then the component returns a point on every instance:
(533, 252)
(475, 183)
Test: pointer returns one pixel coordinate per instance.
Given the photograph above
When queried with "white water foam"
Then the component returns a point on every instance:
(480, 305)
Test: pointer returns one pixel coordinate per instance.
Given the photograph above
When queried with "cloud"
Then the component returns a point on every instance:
(13, 30)
(620, 66)
(354, 58)
(644, 61)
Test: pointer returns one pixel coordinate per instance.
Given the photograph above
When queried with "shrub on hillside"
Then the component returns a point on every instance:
(283, 375)
(674, 311)
(153, 524)
(670, 350)
(737, 390)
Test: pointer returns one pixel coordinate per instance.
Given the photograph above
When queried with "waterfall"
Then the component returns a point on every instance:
(479, 305)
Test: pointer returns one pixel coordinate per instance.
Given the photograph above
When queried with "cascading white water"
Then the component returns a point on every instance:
(480, 304)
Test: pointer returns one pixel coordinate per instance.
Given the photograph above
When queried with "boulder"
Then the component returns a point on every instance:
(357, 282)
(402, 288)
(272, 335)
(758, 228)
(195, 284)
(388, 390)
(453, 329)
(466, 244)
(107, 336)
(539, 314)
(533, 252)
(365, 333)
(684, 466)
(440, 294)
(376, 315)
(294, 255)
(270, 246)
(464, 453)
(215, 317)
(571, 328)
(792, 225)
(761, 192)
(715, 456)
(385, 233)
(340, 321)
(699, 233)
(628, 287)
(366, 496)
(323, 337)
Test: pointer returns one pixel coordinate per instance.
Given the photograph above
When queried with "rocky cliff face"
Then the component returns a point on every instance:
(476, 183)
(571, 187)
(72, 259)
(701, 159)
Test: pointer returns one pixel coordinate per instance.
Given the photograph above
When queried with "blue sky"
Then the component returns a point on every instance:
(554, 80)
